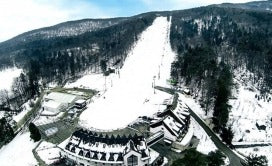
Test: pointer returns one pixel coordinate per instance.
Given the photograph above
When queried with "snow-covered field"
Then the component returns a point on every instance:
(132, 95)
(18, 152)
(246, 112)
(8, 75)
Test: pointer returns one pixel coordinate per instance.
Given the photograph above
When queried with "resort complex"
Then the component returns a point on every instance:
(88, 147)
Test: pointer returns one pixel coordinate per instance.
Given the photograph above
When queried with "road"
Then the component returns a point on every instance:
(234, 159)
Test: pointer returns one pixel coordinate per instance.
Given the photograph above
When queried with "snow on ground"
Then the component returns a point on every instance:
(205, 145)
(265, 151)
(246, 112)
(18, 152)
(8, 75)
(195, 106)
(26, 107)
(93, 81)
(42, 120)
(48, 152)
(132, 95)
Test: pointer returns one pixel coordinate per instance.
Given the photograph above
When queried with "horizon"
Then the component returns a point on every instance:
(36, 14)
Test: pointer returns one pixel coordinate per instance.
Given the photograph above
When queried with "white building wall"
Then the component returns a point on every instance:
(140, 162)
(167, 134)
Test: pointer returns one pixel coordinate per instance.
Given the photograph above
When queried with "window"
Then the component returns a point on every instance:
(132, 160)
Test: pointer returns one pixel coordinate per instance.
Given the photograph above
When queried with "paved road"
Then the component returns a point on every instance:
(234, 159)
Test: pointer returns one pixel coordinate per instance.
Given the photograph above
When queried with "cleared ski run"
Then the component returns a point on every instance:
(132, 94)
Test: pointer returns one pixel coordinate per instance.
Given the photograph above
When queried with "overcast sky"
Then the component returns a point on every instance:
(18, 16)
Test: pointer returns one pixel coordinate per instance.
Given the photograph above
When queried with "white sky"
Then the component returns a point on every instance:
(18, 16)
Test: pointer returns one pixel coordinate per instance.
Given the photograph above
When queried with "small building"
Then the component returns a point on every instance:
(64, 98)
(80, 103)
(55, 102)
(53, 106)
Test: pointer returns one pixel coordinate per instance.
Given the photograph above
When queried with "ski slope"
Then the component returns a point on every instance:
(132, 94)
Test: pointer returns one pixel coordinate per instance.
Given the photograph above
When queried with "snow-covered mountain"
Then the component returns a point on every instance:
(66, 29)
(222, 55)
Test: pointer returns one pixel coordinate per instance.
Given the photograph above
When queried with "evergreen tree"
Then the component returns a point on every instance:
(103, 65)
(34, 132)
(216, 158)
(191, 158)
(6, 132)
(227, 135)
(254, 160)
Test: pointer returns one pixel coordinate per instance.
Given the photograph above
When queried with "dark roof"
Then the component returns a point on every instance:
(111, 158)
(95, 156)
(170, 113)
(143, 154)
(73, 149)
(92, 137)
(67, 147)
(103, 157)
(88, 154)
(132, 146)
(156, 124)
(80, 153)
(120, 157)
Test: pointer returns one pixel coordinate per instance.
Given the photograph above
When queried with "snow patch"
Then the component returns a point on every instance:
(9, 75)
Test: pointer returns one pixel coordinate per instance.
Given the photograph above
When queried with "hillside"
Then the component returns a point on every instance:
(220, 56)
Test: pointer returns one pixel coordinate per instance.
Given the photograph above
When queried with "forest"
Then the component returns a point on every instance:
(212, 43)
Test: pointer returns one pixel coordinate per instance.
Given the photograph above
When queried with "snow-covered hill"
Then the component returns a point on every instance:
(71, 28)
(132, 95)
